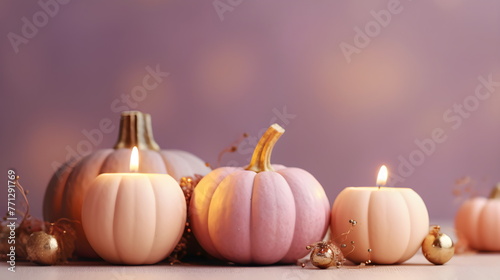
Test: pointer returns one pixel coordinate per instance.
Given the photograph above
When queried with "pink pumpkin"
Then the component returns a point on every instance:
(261, 214)
(478, 222)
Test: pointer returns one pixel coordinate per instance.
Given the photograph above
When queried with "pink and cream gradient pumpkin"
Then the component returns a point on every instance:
(260, 214)
(134, 218)
(69, 185)
(478, 222)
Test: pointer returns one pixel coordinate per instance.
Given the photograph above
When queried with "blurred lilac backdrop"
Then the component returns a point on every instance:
(236, 66)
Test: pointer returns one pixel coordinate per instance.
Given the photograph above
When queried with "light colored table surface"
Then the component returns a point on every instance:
(476, 266)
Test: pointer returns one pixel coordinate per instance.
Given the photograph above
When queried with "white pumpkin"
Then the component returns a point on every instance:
(134, 218)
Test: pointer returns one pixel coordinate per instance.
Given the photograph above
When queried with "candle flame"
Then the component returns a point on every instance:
(134, 160)
(382, 176)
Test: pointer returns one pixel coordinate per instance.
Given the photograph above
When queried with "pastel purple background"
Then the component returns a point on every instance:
(228, 77)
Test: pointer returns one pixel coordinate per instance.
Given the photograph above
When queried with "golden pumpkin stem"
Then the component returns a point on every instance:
(136, 130)
(495, 193)
(261, 158)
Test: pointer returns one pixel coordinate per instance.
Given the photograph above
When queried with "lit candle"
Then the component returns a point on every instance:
(391, 222)
(134, 218)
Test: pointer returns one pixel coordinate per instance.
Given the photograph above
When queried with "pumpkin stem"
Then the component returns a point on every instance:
(495, 193)
(261, 158)
(135, 130)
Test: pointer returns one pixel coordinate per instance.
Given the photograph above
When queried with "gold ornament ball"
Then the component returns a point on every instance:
(438, 248)
(42, 248)
(325, 254)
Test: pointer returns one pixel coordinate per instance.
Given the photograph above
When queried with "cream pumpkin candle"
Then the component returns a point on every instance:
(134, 218)
(391, 224)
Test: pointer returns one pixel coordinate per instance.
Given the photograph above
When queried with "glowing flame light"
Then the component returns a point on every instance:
(382, 176)
(134, 160)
